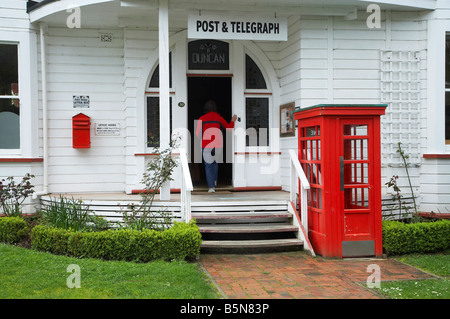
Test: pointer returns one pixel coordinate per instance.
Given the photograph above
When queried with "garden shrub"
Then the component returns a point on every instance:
(12, 230)
(181, 241)
(401, 238)
(50, 239)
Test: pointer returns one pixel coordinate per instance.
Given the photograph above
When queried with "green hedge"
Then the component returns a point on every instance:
(181, 241)
(400, 238)
(12, 230)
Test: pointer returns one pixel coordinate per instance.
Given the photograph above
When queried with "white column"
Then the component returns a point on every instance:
(163, 21)
(238, 102)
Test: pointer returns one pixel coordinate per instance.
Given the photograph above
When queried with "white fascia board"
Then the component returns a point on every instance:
(419, 4)
(59, 6)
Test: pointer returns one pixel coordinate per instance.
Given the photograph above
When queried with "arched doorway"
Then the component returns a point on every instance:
(248, 86)
(200, 90)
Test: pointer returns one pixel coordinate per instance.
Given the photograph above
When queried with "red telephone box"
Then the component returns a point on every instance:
(81, 126)
(339, 150)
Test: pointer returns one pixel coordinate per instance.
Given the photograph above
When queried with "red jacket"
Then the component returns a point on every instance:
(210, 124)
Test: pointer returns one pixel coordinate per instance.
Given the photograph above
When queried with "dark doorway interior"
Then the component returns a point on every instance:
(200, 90)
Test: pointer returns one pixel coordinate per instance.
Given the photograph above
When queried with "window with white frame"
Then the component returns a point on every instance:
(9, 97)
(257, 101)
(152, 101)
(447, 89)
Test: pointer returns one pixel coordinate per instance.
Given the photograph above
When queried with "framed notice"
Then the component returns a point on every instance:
(81, 101)
(107, 129)
(287, 127)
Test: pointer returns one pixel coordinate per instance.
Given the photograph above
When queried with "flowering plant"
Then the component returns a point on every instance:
(13, 194)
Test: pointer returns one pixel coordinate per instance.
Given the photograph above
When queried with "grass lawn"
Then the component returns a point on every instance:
(438, 264)
(28, 274)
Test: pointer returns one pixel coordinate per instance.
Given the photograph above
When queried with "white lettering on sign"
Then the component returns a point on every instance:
(208, 58)
(107, 129)
(237, 28)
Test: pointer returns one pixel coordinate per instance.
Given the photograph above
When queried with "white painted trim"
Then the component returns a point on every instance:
(164, 94)
(272, 81)
(42, 29)
(436, 86)
(27, 72)
(330, 56)
(420, 4)
(61, 5)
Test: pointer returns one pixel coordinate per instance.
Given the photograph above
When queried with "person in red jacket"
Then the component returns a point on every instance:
(209, 126)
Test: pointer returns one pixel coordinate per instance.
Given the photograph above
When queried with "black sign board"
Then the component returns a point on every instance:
(208, 55)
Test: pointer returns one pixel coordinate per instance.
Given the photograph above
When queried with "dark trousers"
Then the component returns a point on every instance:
(211, 159)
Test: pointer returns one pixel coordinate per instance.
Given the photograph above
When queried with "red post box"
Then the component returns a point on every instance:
(81, 131)
(339, 149)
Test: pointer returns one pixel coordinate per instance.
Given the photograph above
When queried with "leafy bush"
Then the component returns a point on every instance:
(12, 194)
(181, 241)
(71, 214)
(158, 172)
(12, 230)
(401, 238)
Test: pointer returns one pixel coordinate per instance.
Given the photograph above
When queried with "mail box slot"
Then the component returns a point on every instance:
(81, 131)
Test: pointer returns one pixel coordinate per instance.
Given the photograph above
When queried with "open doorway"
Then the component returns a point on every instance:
(200, 90)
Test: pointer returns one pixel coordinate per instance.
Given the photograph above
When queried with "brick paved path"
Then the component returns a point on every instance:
(298, 275)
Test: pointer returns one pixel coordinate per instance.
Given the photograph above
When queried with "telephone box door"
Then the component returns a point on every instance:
(357, 160)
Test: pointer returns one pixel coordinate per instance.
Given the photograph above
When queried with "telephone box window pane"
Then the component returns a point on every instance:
(257, 121)
(254, 78)
(9, 77)
(356, 173)
(303, 151)
(356, 198)
(355, 130)
(356, 149)
(311, 131)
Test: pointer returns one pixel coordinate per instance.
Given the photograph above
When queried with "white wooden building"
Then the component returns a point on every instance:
(146, 67)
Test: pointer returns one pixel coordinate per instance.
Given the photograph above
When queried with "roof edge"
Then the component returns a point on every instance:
(33, 5)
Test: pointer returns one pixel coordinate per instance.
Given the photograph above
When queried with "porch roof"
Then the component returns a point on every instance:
(119, 13)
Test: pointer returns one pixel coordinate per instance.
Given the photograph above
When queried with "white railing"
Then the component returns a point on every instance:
(297, 173)
(186, 187)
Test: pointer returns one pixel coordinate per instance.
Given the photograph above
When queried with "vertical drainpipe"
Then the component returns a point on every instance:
(44, 108)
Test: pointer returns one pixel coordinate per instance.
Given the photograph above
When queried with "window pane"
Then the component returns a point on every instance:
(257, 121)
(355, 129)
(154, 80)
(9, 78)
(153, 120)
(447, 116)
(356, 173)
(253, 76)
(356, 149)
(447, 62)
(356, 198)
(9, 124)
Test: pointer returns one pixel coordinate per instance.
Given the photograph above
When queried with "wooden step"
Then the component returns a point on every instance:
(247, 228)
(243, 244)
(240, 215)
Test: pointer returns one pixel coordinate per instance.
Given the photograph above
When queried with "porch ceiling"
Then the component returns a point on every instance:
(144, 13)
